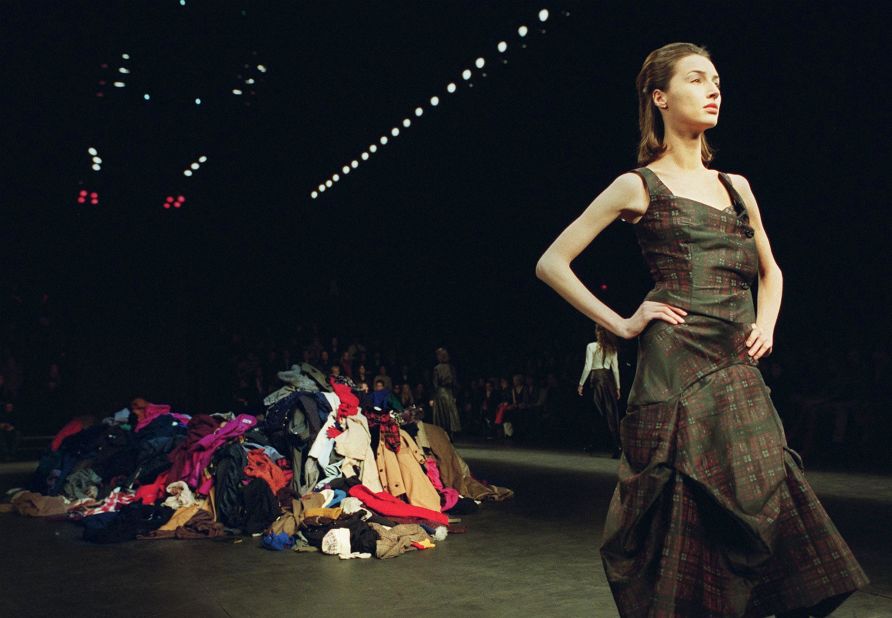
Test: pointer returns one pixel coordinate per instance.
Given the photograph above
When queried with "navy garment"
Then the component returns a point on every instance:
(261, 506)
(230, 461)
(277, 414)
(125, 525)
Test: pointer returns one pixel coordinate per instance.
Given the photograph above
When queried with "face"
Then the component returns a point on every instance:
(693, 98)
(379, 385)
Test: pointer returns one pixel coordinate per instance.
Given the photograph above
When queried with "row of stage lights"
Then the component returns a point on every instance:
(451, 88)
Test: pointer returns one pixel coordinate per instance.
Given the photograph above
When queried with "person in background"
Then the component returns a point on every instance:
(10, 433)
(443, 402)
(382, 375)
(601, 371)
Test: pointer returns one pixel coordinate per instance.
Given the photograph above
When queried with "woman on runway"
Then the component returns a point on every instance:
(712, 514)
(601, 371)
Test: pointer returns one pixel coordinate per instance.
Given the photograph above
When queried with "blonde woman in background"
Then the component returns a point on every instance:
(602, 373)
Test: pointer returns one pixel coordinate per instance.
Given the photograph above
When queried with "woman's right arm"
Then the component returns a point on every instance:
(625, 196)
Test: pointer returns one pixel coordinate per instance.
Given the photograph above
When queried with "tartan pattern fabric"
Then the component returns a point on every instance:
(712, 514)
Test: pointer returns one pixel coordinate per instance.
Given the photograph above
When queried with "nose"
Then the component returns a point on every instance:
(714, 92)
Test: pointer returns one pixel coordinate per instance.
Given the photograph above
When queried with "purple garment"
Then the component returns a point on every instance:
(203, 450)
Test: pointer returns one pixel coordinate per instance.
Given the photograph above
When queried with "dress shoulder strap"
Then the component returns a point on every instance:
(739, 204)
(655, 186)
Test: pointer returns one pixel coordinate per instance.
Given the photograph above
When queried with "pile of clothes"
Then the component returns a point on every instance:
(327, 468)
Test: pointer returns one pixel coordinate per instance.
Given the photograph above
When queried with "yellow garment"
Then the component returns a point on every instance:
(184, 514)
(425, 544)
(401, 473)
(454, 471)
(322, 512)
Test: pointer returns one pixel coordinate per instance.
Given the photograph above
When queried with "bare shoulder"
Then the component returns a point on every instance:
(629, 193)
(742, 185)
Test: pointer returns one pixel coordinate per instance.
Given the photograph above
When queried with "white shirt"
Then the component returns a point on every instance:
(593, 361)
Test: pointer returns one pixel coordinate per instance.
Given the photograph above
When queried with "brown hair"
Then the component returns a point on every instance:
(655, 74)
(442, 355)
(606, 341)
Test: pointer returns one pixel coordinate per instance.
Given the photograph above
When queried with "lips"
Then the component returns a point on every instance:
(711, 106)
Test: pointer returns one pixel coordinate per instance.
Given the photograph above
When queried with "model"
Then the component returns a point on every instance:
(601, 371)
(712, 514)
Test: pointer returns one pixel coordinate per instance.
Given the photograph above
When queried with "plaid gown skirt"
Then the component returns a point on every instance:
(712, 514)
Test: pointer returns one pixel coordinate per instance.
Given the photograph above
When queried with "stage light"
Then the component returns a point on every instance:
(249, 81)
(407, 123)
(373, 148)
(321, 188)
(146, 96)
(346, 169)
(502, 46)
(167, 205)
(187, 172)
(81, 200)
(328, 184)
(384, 140)
(181, 198)
(202, 159)
(522, 31)
(125, 56)
(169, 198)
(450, 88)
(97, 160)
(96, 167)
(182, 2)
(466, 74)
(365, 156)
(394, 132)
(177, 204)
(479, 63)
(603, 285)
(83, 193)
(92, 151)
(198, 101)
(236, 91)
(354, 163)
(435, 101)
(543, 15)
(195, 166)
(336, 177)
(123, 70)
(314, 195)
(119, 84)
(261, 68)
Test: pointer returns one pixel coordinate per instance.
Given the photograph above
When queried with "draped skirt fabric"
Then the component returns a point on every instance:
(604, 397)
(712, 514)
(445, 413)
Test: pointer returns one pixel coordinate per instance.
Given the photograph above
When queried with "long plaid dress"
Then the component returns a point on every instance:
(712, 515)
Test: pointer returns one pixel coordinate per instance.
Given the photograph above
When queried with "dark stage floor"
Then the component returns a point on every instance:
(533, 556)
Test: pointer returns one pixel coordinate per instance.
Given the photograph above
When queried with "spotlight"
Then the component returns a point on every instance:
(187, 172)
(125, 56)
(407, 123)
(146, 96)
(261, 68)
(123, 70)
(373, 148)
(92, 151)
(543, 15)
(418, 111)
(522, 31)
(198, 101)
(236, 91)
(119, 84)
(321, 188)
(97, 160)
(96, 167)
(195, 166)
(181, 198)
(346, 169)
(450, 88)
(314, 195)
(365, 156)
(81, 200)
(202, 159)
(354, 164)
(328, 184)
(336, 177)
(169, 199)
(166, 205)
(502, 46)
(479, 63)
(83, 193)
(466, 74)
(383, 140)
(394, 132)
(435, 101)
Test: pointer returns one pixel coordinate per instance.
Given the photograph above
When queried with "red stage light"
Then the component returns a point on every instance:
(95, 202)
(81, 200)
(603, 286)
(181, 199)
(167, 205)
(177, 204)
(94, 194)
(83, 193)
(169, 199)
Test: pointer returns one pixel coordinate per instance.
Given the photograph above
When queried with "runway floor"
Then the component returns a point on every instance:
(535, 555)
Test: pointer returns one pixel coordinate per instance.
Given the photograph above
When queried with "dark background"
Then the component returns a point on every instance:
(434, 239)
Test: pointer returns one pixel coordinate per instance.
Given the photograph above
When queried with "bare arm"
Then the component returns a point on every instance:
(771, 280)
(624, 196)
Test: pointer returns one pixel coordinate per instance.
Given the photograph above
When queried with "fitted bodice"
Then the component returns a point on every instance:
(701, 259)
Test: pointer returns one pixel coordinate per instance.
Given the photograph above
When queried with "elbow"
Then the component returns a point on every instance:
(542, 268)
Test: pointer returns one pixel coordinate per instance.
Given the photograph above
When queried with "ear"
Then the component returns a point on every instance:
(659, 99)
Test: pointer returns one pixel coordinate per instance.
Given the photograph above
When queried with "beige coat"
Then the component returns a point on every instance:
(401, 473)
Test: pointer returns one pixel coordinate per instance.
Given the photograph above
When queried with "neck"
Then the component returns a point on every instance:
(683, 150)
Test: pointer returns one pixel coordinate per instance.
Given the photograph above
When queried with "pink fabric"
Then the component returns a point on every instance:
(500, 413)
(113, 503)
(203, 450)
(449, 495)
(153, 411)
(349, 403)
(206, 486)
(385, 504)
